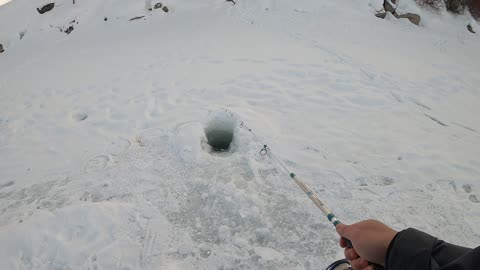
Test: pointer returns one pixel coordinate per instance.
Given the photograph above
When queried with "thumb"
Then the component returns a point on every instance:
(343, 230)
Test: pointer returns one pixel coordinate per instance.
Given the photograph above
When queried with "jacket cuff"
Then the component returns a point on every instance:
(410, 249)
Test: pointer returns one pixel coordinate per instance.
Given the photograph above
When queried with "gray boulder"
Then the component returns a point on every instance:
(470, 28)
(46, 8)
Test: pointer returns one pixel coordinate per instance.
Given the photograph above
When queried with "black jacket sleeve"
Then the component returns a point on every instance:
(415, 250)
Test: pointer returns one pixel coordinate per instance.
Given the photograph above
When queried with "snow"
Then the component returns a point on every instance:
(267, 253)
(104, 162)
(49, 238)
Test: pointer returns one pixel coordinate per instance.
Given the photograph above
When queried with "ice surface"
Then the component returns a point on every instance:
(105, 164)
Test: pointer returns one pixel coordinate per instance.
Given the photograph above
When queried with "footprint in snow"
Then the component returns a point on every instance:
(375, 180)
(467, 188)
(96, 164)
(472, 197)
(442, 184)
(78, 117)
(118, 146)
(6, 184)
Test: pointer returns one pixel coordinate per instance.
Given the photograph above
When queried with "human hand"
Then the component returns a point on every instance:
(370, 239)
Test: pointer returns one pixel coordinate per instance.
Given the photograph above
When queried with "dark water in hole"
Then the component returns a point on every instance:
(219, 139)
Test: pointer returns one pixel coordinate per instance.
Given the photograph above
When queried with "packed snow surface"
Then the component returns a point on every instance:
(104, 161)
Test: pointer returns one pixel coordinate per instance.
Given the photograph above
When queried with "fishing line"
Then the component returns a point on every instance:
(265, 150)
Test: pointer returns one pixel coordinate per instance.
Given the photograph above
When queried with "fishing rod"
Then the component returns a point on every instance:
(313, 197)
(325, 210)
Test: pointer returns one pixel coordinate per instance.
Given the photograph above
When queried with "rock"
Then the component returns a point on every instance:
(69, 29)
(470, 28)
(136, 18)
(389, 6)
(413, 18)
(158, 5)
(165, 8)
(381, 15)
(46, 8)
(105, 19)
(1, 48)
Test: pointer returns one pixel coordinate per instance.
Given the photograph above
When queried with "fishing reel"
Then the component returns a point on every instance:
(345, 265)
(340, 265)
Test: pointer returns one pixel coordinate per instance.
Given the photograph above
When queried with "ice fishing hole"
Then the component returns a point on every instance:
(220, 131)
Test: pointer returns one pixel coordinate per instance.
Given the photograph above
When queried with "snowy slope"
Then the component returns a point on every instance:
(104, 162)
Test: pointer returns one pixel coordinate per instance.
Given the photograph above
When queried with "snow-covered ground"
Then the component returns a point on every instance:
(103, 157)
